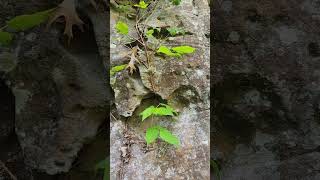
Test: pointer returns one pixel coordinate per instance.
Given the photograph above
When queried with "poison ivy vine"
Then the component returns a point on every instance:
(154, 132)
(147, 36)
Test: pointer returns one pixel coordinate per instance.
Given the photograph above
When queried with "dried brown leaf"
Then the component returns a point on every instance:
(67, 9)
(133, 60)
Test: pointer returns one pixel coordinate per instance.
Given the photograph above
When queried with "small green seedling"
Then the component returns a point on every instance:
(141, 5)
(167, 51)
(149, 33)
(147, 36)
(176, 31)
(155, 132)
(116, 69)
(176, 51)
(161, 110)
(122, 28)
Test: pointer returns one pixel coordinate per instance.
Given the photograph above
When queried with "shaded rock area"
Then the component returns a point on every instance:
(60, 94)
(182, 83)
(266, 89)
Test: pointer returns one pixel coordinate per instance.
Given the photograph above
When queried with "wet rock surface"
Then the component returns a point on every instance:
(266, 89)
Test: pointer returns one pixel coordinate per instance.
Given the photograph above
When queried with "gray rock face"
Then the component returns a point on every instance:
(61, 100)
(61, 94)
(266, 94)
(184, 83)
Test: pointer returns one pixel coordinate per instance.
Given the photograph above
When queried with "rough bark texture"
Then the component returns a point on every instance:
(266, 89)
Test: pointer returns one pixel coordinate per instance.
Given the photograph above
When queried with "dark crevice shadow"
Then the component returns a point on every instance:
(10, 151)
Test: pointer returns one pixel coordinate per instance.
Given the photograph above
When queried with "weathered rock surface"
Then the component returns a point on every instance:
(184, 83)
(266, 79)
(61, 92)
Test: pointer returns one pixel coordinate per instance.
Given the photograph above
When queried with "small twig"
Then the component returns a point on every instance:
(142, 40)
(7, 170)
(144, 45)
(113, 116)
(135, 39)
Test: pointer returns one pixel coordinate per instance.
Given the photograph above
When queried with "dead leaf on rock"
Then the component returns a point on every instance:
(67, 9)
(133, 60)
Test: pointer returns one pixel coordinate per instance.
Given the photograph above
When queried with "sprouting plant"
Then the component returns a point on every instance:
(122, 28)
(116, 69)
(143, 36)
(154, 132)
(148, 40)
(149, 33)
(176, 51)
(141, 5)
(161, 110)
(175, 31)
(167, 51)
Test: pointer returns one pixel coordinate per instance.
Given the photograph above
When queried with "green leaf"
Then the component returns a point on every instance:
(116, 69)
(168, 137)
(165, 50)
(141, 5)
(166, 110)
(170, 108)
(176, 51)
(25, 22)
(175, 30)
(162, 111)
(152, 134)
(184, 49)
(5, 38)
(147, 112)
(150, 32)
(176, 2)
(122, 28)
